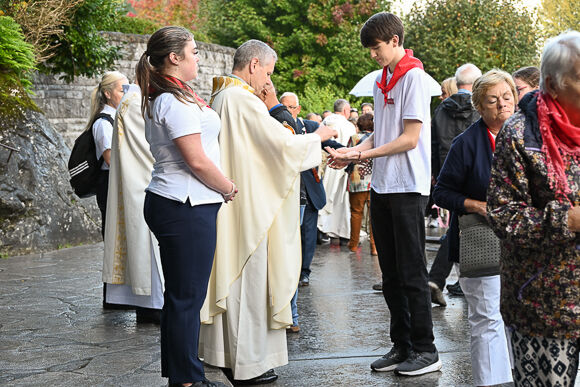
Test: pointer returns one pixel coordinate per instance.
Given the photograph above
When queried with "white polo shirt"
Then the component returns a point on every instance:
(171, 177)
(103, 134)
(408, 171)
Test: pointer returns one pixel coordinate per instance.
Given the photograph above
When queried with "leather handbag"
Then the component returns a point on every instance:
(479, 247)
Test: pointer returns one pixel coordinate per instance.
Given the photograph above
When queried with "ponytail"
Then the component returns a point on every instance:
(98, 97)
(149, 71)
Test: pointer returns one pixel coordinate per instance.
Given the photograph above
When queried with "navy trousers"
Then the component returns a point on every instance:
(399, 228)
(102, 193)
(187, 239)
(308, 231)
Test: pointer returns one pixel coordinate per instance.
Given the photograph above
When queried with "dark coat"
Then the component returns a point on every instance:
(465, 174)
(454, 115)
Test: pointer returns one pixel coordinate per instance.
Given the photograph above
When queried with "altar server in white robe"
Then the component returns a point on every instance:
(257, 261)
(334, 217)
(132, 269)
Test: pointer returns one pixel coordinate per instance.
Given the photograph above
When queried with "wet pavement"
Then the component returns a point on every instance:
(53, 331)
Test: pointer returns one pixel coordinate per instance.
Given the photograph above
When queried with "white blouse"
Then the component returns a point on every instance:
(171, 177)
(103, 134)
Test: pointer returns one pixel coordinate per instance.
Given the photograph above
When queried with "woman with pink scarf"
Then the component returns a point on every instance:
(534, 207)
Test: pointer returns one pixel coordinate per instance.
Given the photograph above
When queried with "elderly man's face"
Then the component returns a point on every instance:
(260, 78)
(290, 102)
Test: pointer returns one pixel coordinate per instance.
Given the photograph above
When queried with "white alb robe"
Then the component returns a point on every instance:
(257, 261)
(334, 217)
(132, 268)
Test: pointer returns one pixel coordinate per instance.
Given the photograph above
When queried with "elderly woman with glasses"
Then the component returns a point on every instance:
(534, 206)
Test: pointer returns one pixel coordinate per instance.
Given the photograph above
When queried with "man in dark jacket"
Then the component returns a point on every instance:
(451, 118)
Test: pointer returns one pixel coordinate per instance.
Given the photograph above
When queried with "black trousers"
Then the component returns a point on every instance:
(399, 228)
(102, 191)
(442, 266)
(187, 240)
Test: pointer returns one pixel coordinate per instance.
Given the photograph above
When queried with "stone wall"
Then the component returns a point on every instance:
(67, 105)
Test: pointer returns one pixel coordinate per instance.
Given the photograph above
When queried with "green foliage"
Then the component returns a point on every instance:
(317, 42)
(133, 25)
(489, 33)
(16, 64)
(16, 56)
(82, 50)
(559, 16)
(318, 99)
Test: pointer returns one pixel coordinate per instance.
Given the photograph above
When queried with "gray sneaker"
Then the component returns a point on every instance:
(419, 363)
(390, 361)
(436, 294)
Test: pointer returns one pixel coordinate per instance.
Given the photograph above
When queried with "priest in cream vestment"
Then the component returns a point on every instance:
(334, 217)
(257, 259)
(132, 268)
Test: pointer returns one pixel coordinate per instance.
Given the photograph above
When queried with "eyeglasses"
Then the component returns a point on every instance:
(292, 107)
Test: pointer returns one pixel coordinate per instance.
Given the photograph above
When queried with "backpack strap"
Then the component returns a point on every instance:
(105, 116)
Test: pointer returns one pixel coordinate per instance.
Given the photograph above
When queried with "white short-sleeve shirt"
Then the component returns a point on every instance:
(103, 134)
(408, 171)
(171, 177)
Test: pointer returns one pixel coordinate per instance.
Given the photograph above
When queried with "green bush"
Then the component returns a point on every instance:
(16, 66)
(133, 25)
(16, 56)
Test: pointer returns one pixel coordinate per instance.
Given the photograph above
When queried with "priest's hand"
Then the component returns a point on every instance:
(268, 96)
(326, 133)
(339, 160)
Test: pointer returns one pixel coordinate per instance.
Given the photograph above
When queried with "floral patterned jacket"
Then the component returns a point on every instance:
(540, 268)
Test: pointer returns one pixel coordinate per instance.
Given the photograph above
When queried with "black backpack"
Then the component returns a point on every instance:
(83, 166)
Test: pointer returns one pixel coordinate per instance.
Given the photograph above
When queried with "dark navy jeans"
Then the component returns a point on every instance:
(187, 239)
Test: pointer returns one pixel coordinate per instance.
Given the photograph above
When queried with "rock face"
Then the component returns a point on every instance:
(38, 209)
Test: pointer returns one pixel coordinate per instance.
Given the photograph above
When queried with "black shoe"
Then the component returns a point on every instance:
(304, 281)
(269, 376)
(322, 239)
(378, 287)
(455, 289)
(148, 316)
(343, 241)
(390, 361)
(419, 363)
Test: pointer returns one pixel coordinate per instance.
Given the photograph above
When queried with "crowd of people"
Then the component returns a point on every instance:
(211, 213)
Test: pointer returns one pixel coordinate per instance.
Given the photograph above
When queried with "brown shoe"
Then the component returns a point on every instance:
(293, 329)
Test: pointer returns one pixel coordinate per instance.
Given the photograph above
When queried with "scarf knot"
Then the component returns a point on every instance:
(406, 63)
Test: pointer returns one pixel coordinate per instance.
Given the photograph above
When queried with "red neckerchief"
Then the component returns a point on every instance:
(182, 85)
(491, 140)
(559, 138)
(406, 63)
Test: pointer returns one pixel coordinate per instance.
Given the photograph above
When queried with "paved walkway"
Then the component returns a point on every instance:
(53, 331)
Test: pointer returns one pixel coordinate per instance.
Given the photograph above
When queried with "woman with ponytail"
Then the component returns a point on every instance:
(184, 196)
(105, 99)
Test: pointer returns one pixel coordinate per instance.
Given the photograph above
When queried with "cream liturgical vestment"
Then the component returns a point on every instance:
(334, 217)
(258, 257)
(132, 269)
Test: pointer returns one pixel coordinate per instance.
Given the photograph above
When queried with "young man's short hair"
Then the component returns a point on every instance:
(381, 27)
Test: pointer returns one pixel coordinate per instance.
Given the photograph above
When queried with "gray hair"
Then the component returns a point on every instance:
(467, 74)
(253, 49)
(559, 58)
(290, 94)
(339, 105)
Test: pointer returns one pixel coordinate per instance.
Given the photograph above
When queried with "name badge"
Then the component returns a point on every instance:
(390, 101)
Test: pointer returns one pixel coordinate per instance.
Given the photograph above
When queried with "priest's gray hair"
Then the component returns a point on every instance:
(289, 94)
(339, 105)
(467, 74)
(253, 49)
(559, 59)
